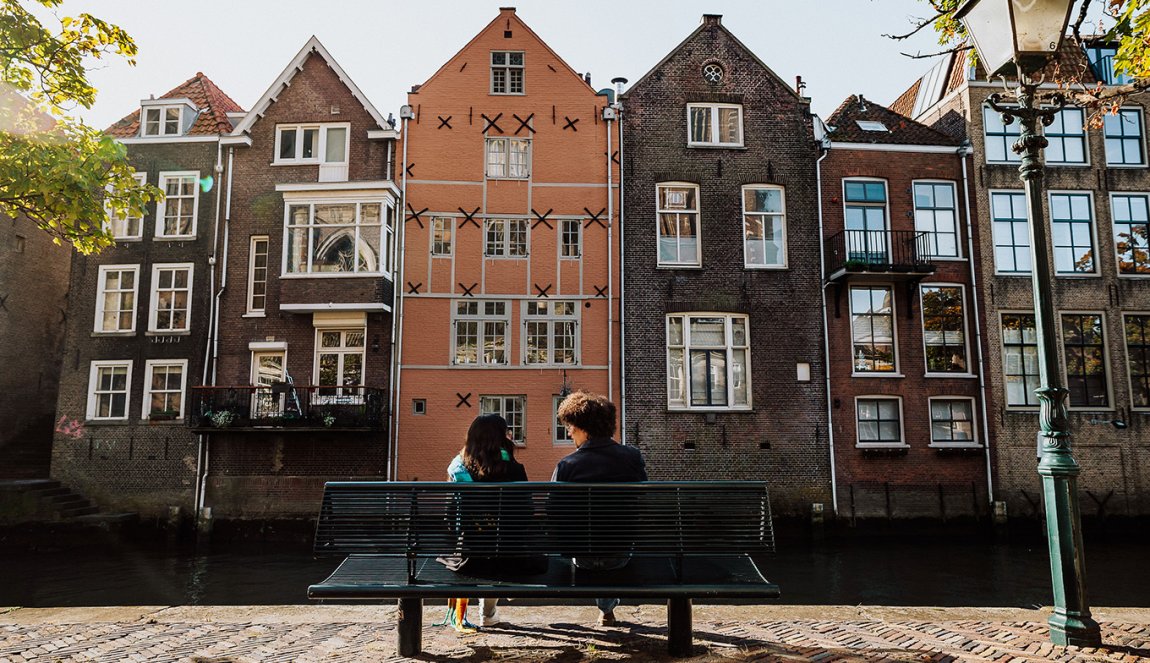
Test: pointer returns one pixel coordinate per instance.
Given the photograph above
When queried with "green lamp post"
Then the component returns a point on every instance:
(1021, 36)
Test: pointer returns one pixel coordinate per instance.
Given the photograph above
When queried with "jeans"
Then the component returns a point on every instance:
(602, 564)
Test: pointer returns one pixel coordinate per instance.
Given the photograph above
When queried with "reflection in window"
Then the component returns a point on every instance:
(872, 330)
(708, 361)
(764, 227)
(1020, 358)
(1085, 350)
(1072, 230)
(879, 421)
(943, 329)
(339, 238)
(934, 214)
(678, 219)
(1131, 219)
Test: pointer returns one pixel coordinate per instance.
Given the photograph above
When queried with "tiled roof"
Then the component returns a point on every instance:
(899, 130)
(905, 102)
(214, 105)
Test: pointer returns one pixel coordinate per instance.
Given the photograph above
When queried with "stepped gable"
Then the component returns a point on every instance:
(214, 105)
(900, 130)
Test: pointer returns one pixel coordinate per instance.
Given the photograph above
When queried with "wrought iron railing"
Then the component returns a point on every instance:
(879, 251)
(287, 406)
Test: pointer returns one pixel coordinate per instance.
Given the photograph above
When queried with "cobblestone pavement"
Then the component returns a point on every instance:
(562, 634)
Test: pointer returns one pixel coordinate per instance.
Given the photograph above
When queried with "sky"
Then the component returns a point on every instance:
(837, 46)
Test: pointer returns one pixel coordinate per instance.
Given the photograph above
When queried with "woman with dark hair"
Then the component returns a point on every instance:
(487, 456)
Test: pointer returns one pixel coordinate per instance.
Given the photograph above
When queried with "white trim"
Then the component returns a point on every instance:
(342, 351)
(883, 147)
(382, 134)
(728, 346)
(714, 124)
(330, 306)
(1110, 406)
(1097, 271)
(153, 299)
(110, 222)
(886, 216)
(1126, 348)
(1086, 160)
(97, 323)
(250, 309)
(897, 372)
(697, 211)
(782, 216)
(163, 105)
(94, 366)
(162, 206)
(506, 152)
(1142, 137)
(385, 252)
(245, 141)
(480, 317)
(555, 441)
(161, 140)
(1016, 407)
(507, 67)
(1110, 240)
(990, 193)
(268, 346)
(505, 239)
(149, 366)
(550, 318)
(965, 329)
(901, 444)
(319, 149)
(503, 399)
(974, 442)
(448, 224)
(958, 231)
(318, 189)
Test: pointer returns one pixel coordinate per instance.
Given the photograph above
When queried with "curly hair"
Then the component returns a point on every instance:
(590, 412)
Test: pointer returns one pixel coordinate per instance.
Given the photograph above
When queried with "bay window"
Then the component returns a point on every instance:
(341, 238)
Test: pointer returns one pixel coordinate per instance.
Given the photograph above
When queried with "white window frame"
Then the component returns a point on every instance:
(344, 394)
(551, 321)
(1008, 136)
(265, 401)
(154, 298)
(503, 170)
(481, 317)
(502, 401)
(781, 217)
(507, 68)
(900, 444)
(685, 403)
(896, 371)
(149, 368)
(1141, 140)
(93, 373)
(1029, 394)
(1114, 227)
(98, 323)
(697, 211)
(162, 131)
(162, 206)
(384, 257)
(569, 228)
(932, 235)
(852, 240)
(714, 124)
(446, 226)
(112, 222)
(1109, 373)
(951, 444)
(1015, 222)
(319, 151)
(559, 435)
(1126, 347)
(504, 251)
(253, 269)
(1068, 135)
(965, 330)
(1093, 223)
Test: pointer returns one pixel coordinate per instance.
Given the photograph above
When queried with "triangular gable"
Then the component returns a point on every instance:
(313, 45)
(504, 13)
(214, 105)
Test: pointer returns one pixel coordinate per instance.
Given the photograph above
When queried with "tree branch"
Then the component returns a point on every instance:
(918, 28)
(921, 56)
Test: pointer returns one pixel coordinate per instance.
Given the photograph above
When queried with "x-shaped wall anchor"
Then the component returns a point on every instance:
(408, 169)
(444, 122)
(523, 123)
(469, 218)
(413, 288)
(600, 292)
(595, 218)
(415, 216)
(491, 122)
(542, 218)
(467, 291)
(570, 123)
(463, 399)
(4, 302)
(542, 291)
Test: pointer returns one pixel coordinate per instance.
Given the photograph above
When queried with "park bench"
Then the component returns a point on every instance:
(687, 540)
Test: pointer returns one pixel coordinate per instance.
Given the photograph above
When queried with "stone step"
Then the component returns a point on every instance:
(73, 512)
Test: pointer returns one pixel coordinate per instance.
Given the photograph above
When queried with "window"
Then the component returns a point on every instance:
(419, 406)
(678, 217)
(1138, 358)
(1131, 218)
(339, 238)
(935, 214)
(505, 238)
(176, 213)
(1123, 131)
(571, 240)
(999, 137)
(162, 121)
(944, 329)
(1072, 230)
(126, 226)
(865, 220)
(481, 333)
(1011, 234)
(258, 275)
(513, 409)
(108, 385)
(550, 336)
(442, 232)
(1102, 61)
(339, 364)
(508, 158)
(314, 143)
(764, 227)
(559, 435)
(879, 422)
(1020, 358)
(708, 363)
(116, 293)
(1085, 350)
(164, 382)
(268, 371)
(872, 328)
(715, 125)
(1067, 137)
(506, 72)
(171, 298)
(952, 422)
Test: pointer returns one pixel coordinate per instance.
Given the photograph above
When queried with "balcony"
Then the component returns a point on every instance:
(284, 407)
(899, 255)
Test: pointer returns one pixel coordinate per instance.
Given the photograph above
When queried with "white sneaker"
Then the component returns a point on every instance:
(490, 620)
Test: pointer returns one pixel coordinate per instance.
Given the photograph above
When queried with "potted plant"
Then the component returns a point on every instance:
(854, 265)
(223, 418)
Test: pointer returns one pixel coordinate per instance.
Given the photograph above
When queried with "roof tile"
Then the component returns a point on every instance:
(900, 130)
(214, 105)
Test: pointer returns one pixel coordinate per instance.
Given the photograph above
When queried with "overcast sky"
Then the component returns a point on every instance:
(835, 45)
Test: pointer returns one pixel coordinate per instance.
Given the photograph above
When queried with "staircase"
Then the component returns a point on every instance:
(38, 500)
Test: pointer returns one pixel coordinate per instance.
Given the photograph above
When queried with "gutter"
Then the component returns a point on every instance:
(397, 295)
(825, 146)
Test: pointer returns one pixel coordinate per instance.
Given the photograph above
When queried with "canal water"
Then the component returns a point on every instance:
(900, 568)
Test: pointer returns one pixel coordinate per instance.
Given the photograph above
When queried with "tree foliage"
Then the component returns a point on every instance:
(54, 169)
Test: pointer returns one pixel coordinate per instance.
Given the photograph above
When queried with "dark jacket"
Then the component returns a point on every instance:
(601, 460)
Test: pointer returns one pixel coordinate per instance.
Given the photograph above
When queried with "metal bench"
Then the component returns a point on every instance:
(687, 540)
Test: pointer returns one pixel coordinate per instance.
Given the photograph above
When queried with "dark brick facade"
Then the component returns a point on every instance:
(783, 439)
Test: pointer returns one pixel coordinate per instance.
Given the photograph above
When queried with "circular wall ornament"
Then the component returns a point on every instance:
(713, 73)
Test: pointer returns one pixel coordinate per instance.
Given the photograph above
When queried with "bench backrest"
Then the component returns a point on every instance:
(676, 518)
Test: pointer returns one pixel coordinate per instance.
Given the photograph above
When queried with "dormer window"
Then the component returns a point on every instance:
(163, 121)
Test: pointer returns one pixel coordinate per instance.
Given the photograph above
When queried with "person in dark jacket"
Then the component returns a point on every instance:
(590, 422)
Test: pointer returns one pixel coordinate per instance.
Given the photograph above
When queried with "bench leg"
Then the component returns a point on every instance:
(409, 627)
(679, 641)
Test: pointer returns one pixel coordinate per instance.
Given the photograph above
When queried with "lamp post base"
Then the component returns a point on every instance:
(1071, 628)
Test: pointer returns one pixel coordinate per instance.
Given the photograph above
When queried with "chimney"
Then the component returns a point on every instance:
(800, 86)
(587, 78)
(712, 19)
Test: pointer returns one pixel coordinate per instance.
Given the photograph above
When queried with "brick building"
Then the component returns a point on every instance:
(510, 263)
(138, 315)
(1096, 205)
(723, 334)
(299, 367)
(903, 328)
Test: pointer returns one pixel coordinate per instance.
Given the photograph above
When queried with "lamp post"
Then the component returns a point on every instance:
(1023, 35)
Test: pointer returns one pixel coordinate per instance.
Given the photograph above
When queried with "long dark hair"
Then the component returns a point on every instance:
(486, 440)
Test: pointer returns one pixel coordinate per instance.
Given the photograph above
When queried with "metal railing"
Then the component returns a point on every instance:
(879, 251)
(287, 406)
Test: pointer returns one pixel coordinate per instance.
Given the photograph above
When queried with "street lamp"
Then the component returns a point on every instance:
(1025, 34)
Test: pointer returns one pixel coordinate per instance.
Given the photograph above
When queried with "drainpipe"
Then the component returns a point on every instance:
(618, 105)
(202, 438)
(826, 149)
(405, 113)
(962, 154)
(607, 116)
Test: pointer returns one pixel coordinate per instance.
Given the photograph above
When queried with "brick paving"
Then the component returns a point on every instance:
(560, 634)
